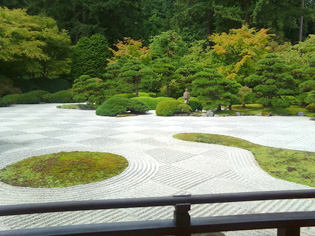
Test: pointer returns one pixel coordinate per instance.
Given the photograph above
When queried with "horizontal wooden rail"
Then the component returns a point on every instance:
(287, 223)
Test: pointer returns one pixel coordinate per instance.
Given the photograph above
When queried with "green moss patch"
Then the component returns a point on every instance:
(63, 169)
(291, 165)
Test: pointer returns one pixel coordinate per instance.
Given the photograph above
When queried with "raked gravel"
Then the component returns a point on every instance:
(159, 165)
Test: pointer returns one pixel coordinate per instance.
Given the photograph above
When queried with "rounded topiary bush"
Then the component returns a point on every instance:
(169, 108)
(194, 103)
(184, 108)
(120, 105)
(311, 107)
(64, 96)
(135, 106)
(40, 94)
(152, 102)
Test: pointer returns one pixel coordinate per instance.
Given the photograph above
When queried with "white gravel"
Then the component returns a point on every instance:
(159, 165)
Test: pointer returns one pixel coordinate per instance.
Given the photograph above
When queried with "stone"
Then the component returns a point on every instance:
(300, 113)
(210, 113)
(204, 114)
(237, 113)
(313, 118)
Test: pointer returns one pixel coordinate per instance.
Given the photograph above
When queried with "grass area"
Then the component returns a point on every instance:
(69, 106)
(290, 165)
(254, 109)
(63, 169)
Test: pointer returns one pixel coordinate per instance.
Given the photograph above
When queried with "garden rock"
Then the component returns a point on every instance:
(300, 113)
(210, 113)
(237, 113)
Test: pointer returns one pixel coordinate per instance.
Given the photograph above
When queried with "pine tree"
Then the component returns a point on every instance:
(214, 90)
(272, 82)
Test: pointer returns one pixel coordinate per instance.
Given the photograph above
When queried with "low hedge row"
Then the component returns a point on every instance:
(171, 107)
(152, 102)
(120, 105)
(37, 96)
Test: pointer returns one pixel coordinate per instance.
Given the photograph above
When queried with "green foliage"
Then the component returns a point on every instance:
(194, 103)
(184, 109)
(7, 86)
(150, 102)
(239, 50)
(290, 165)
(40, 94)
(311, 107)
(214, 90)
(88, 89)
(310, 97)
(168, 44)
(272, 82)
(64, 96)
(90, 56)
(120, 105)
(166, 71)
(131, 74)
(307, 86)
(33, 97)
(32, 45)
(169, 108)
(63, 169)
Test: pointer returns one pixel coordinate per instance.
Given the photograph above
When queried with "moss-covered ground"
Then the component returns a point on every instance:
(291, 165)
(254, 109)
(63, 169)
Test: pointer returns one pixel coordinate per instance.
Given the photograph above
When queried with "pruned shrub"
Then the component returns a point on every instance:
(120, 105)
(311, 107)
(27, 98)
(152, 102)
(135, 106)
(64, 96)
(4, 103)
(184, 108)
(169, 108)
(194, 103)
(10, 99)
(40, 94)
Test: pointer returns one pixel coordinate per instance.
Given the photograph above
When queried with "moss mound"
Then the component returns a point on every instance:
(63, 169)
(291, 165)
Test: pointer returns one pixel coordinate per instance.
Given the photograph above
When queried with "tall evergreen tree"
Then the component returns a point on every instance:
(272, 82)
(214, 90)
(90, 56)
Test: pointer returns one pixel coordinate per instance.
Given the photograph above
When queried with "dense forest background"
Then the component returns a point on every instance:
(193, 19)
(225, 51)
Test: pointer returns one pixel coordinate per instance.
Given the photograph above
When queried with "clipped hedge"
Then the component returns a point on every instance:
(64, 96)
(133, 95)
(120, 105)
(152, 102)
(171, 107)
(311, 107)
(40, 94)
(194, 103)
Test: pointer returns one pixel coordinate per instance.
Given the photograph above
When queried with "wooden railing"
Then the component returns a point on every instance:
(286, 223)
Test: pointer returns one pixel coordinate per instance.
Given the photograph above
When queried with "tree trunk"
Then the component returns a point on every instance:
(230, 107)
(219, 107)
(209, 28)
(243, 105)
(301, 23)
(247, 16)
